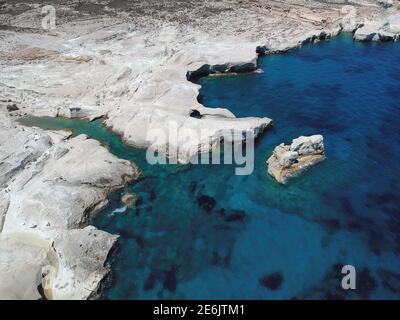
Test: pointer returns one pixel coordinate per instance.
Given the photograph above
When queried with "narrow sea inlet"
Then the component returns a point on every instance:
(201, 232)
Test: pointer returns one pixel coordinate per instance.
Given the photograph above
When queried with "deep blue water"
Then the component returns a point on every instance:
(345, 210)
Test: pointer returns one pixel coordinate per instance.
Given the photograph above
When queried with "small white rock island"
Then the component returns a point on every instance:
(288, 161)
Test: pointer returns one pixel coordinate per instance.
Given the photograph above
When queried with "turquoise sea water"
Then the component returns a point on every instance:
(201, 232)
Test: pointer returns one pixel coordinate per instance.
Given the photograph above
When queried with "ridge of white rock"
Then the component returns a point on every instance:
(387, 29)
(288, 161)
(50, 185)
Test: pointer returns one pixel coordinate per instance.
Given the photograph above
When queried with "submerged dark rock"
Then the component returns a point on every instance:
(170, 280)
(366, 283)
(234, 215)
(382, 198)
(347, 206)
(139, 202)
(375, 242)
(140, 241)
(153, 195)
(272, 281)
(331, 224)
(330, 287)
(221, 260)
(221, 227)
(150, 282)
(354, 225)
(192, 186)
(390, 280)
(207, 203)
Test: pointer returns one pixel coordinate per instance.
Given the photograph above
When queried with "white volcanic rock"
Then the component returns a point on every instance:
(387, 29)
(78, 173)
(305, 146)
(53, 192)
(26, 146)
(81, 263)
(70, 267)
(134, 70)
(4, 203)
(148, 128)
(22, 258)
(290, 160)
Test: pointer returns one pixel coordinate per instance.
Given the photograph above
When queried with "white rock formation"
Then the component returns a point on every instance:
(22, 258)
(50, 185)
(134, 68)
(81, 256)
(387, 29)
(288, 161)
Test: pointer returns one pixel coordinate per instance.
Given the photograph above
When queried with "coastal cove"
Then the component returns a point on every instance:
(200, 232)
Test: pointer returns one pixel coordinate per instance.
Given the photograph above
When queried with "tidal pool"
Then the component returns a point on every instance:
(201, 232)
